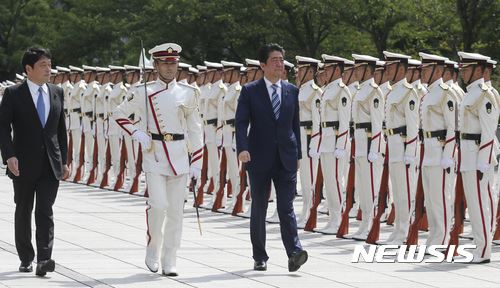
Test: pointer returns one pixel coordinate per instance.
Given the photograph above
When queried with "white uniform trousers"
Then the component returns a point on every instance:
(402, 179)
(368, 176)
(132, 151)
(308, 171)
(333, 178)
(115, 149)
(164, 217)
(101, 154)
(76, 135)
(438, 203)
(234, 175)
(89, 152)
(480, 205)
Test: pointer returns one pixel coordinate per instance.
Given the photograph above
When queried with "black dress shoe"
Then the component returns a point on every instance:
(260, 266)
(296, 260)
(26, 267)
(45, 266)
(169, 274)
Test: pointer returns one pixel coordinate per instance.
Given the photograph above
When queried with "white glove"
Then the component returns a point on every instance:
(372, 157)
(339, 153)
(446, 162)
(142, 138)
(409, 160)
(483, 167)
(313, 154)
(194, 172)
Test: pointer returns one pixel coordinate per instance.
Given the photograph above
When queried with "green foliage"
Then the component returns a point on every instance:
(102, 32)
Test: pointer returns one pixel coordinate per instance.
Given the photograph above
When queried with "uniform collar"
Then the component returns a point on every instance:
(307, 84)
(435, 83)
(165, 85)
(334, 83)
(475, 84)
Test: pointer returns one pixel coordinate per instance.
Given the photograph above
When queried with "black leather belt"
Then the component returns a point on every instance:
(306, 124)
(399, 130)
(89, 114)
(76, 110)
(440, 134)
(468, 136)
(100, 115)
(65, 111)
(334, 124)
(366, 125)
(167, 137)
(229, 122)
(211, 121)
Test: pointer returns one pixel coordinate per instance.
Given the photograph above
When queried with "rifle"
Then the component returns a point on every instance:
(459, 207)
(107, 167)
(204, 177)
(120, 178)
(374, 234)
(412, 238)
(344, 224)
(238, 206)
(313, 212)
(78, 173)
(70, 152)
(134, 188)
(219, 195)
(392, 215)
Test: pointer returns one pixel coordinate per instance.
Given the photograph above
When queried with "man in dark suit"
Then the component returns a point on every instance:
(271, 151)
(35, 155)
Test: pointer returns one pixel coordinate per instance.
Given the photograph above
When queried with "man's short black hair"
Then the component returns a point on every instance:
(33, 54)
(264, 51)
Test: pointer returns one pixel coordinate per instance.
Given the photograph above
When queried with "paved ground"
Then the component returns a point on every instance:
(100, 242)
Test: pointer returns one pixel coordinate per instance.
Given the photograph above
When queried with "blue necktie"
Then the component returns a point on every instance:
(40, 107)
(275, 102)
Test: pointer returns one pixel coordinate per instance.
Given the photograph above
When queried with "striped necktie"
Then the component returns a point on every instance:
(40, 107)
(276, 102)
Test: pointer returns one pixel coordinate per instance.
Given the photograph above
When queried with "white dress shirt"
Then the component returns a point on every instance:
(270, 89)
(34, 95)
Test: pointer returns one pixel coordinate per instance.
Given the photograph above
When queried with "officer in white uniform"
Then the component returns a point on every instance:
(230, 101)
(212, 121)
(172, 119)
(88, 119)
(438, 116)
(479, 115)
(368, 114)
(335, 113)
(309, 106)
(101, 116)
(402, 118)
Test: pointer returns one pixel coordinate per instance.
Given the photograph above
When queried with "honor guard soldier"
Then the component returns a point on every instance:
(183, 73)
(335, 113)
(309, 105)
(288, 71)
(193, 75)
(101, 116)
(368, 114)
(212, 121)
(230, 101)
(402, 123)
(75, 120)
(67, 86)
(169, 118)
(88, 120)
(114, 132)
(438, 116)
(479, 113)
(203, 84)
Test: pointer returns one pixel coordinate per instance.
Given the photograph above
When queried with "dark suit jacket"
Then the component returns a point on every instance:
(268, 136)
(30, 141)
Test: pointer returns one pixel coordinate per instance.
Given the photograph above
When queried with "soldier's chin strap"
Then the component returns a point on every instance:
(305, 74)
(395, 74)
(432, 74)
(231, 77)
(350, 76)
(364, 73)
(474, 66)
(336, 66)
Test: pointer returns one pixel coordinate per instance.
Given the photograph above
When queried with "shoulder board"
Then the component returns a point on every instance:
(358, 87)
(484, 87)
(444, 86)
(222, 86)
(341, 84)
(374, 85)
(408, 85)
(420, 86)
(314, 86)
(186, 85)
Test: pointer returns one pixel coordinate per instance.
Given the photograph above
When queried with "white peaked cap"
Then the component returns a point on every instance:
(62, 69)
(74, 68)
(364, 58)
(252, 62)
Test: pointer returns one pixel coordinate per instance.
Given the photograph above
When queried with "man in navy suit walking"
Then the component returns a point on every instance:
(271, 151)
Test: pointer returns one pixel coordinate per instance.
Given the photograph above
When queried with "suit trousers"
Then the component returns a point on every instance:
(285, 183)
(44, 188)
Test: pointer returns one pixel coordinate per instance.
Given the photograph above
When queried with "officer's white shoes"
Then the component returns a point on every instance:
(476, 260)
(323, 208)
(246, 214)
(496, 242)
(354, 211)
(169, 262)
(152, 264)
(360, 236)
(329, 229)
